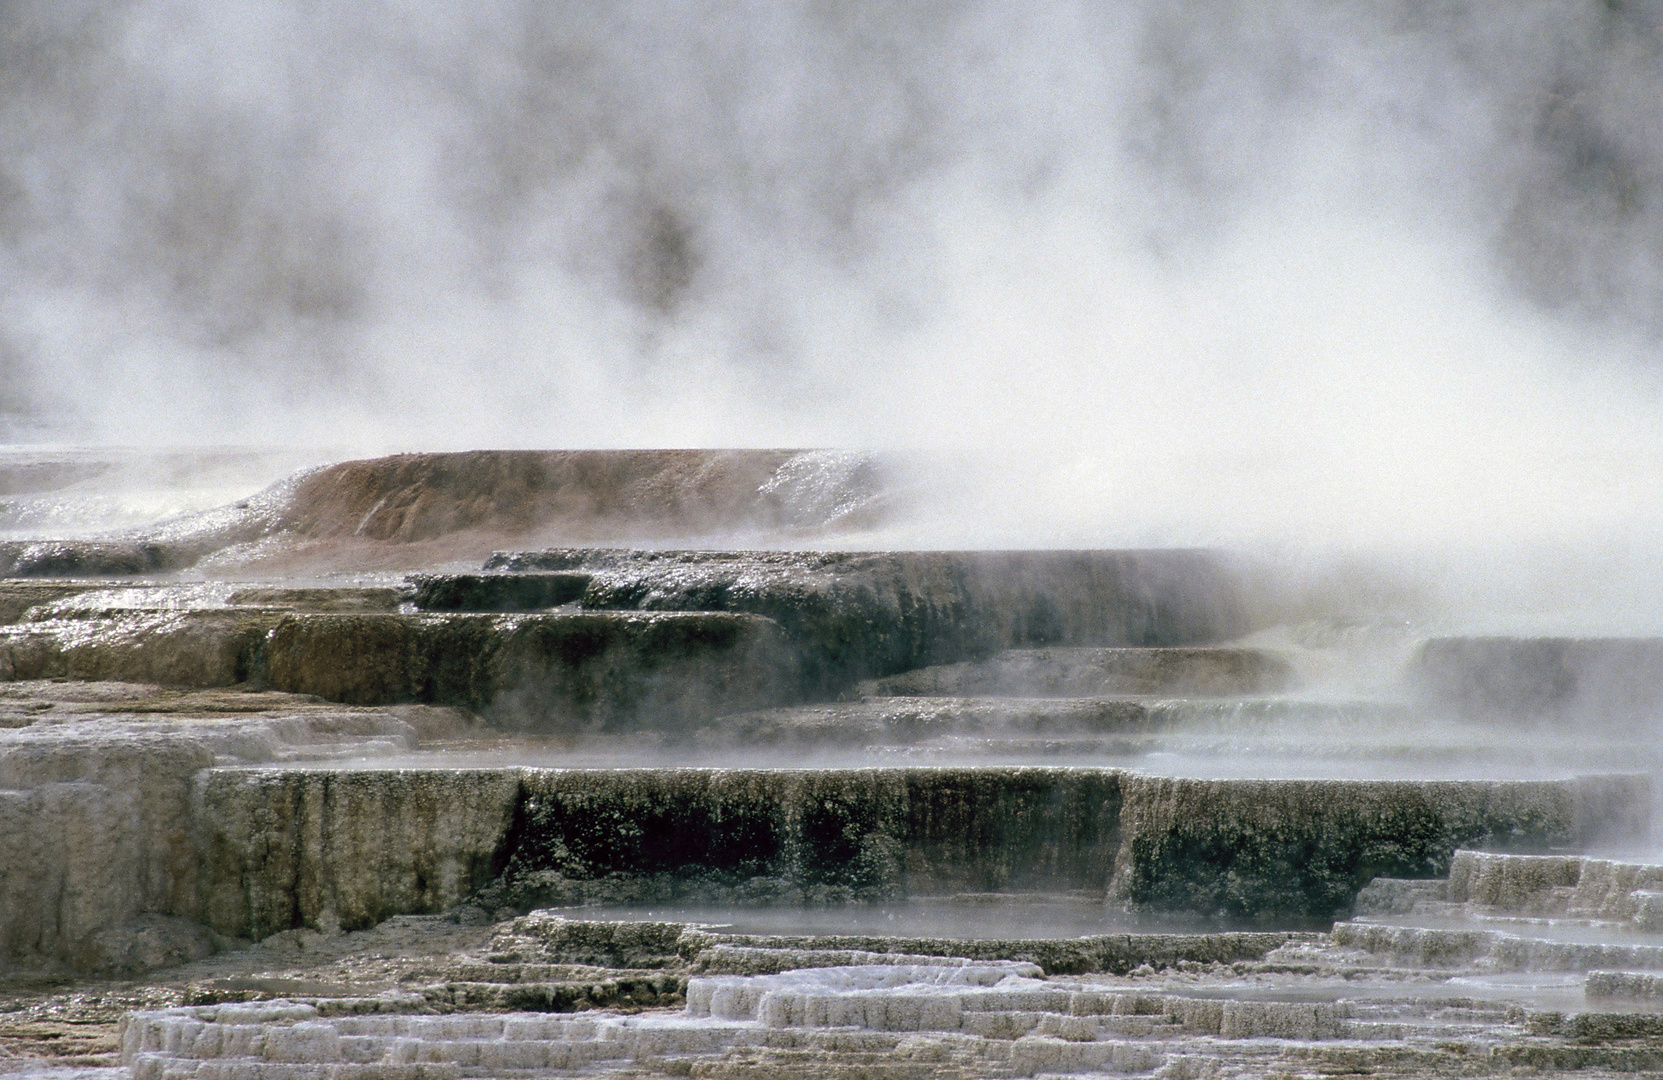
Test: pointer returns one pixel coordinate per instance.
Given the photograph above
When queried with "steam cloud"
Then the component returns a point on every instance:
(1165, 273)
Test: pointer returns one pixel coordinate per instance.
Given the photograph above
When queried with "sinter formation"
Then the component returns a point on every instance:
(617, 764)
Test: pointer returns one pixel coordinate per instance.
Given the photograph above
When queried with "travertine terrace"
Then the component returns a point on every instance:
(643, 763)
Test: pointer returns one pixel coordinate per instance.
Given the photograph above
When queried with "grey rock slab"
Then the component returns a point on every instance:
(1245, 847)
(182, 648)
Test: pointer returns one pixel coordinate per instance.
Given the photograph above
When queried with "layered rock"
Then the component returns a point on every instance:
(641, 636)
(175, 648)
(1305, 847)
(563, 673)
(98, 852)
(554, 673)
(281, 850)
(582, 495)
(1254, 850)
(856, 615)
(412, 510)
(707, 1002)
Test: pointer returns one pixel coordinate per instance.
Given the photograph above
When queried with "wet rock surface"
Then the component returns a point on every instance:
(496, 592)
(319, 599)
(93, 558)
(96, 796)
(856, 615)
(613, 812)
(654, 634)
(1276, 852)
(557, 672)
(178, 648)
(1091, 728)
(560, 995)
(1291, 847)
(551, 672)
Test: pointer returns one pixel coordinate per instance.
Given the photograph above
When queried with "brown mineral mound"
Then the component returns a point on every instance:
(579, 493)
(421, 510)
(414, 510)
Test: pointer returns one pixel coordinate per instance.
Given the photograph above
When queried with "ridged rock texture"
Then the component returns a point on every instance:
(565, 672)
(612, 639)
(305, 847)
(1371, 998)
(900, 814)
(858, 615)
(98, 830)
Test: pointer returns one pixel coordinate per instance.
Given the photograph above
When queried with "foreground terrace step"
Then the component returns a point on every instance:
(1538, 886)
(920, 1036)
(1501, 913)
(913, 1008)
(249, 852)
(570, 935)
(1496, 950)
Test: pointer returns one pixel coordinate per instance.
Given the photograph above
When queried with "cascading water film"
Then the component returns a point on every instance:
(848, 539)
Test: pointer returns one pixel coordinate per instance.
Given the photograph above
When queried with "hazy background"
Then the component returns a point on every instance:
(1323, 277)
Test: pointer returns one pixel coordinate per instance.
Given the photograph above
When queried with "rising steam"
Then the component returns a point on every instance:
(1316, 273)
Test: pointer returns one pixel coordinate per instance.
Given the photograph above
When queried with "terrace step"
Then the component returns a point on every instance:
(1265, 849)
(858, 615)
(918, 722)
(554, 672)
(1085, 673)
